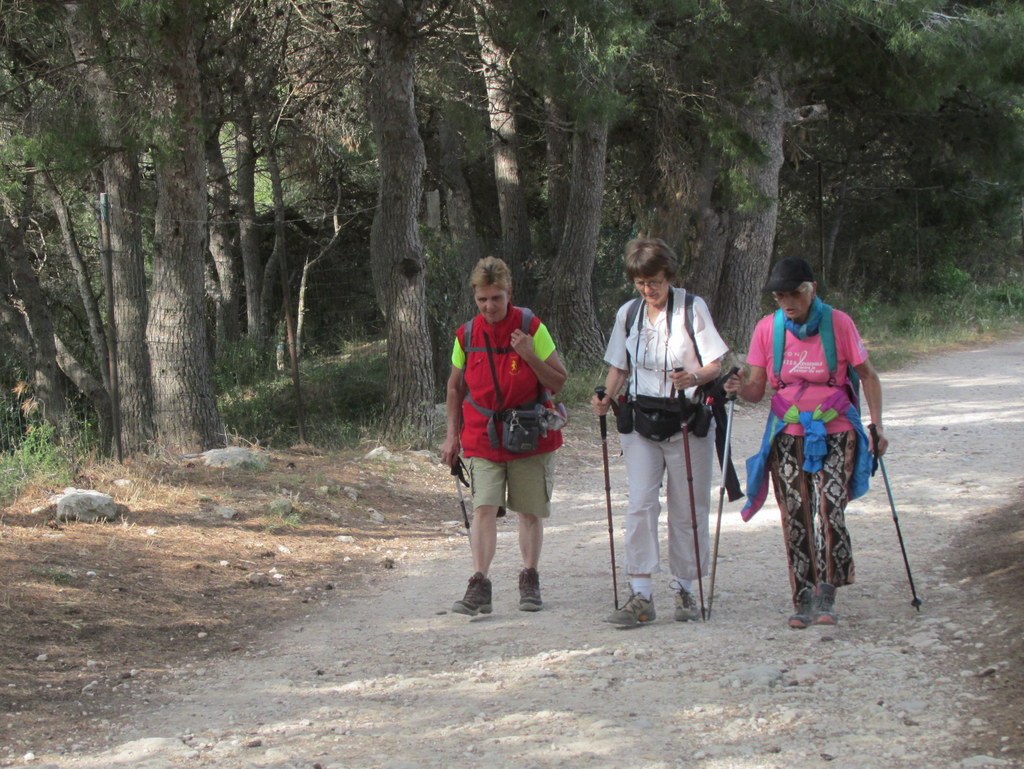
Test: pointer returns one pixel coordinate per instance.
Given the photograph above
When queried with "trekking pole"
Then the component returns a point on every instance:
(916, 602)
(731, 397)
(459, 471)
(603, 420)
(693, 518)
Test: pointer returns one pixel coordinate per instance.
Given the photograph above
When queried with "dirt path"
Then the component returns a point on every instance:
(388, 678)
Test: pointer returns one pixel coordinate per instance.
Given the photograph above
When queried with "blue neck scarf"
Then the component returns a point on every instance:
(810, 326)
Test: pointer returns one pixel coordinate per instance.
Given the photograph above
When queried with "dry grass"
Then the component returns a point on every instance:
(83, 603)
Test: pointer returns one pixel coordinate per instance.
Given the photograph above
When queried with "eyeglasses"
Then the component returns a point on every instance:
(656, 284)
(796, 293)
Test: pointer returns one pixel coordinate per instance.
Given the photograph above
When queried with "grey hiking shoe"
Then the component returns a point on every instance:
(477, 599)
(686, 605)
(824, 605)
(804, 615)
(637, 611)
(529, 590)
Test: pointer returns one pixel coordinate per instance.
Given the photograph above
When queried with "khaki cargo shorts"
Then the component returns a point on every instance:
(522, 485)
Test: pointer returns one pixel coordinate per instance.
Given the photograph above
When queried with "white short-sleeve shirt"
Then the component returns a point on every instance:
(651, 352)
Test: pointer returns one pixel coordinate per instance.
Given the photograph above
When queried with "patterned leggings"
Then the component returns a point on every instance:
(813, 507)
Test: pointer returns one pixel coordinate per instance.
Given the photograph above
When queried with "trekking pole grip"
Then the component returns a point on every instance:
(730, 396)
(603, 419)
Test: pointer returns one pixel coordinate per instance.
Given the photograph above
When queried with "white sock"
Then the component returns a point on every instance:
(685, 584)
(641, 586)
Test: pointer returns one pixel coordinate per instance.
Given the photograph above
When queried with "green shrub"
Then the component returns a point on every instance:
(40, 459)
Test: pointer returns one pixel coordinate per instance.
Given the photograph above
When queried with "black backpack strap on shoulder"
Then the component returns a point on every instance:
(527, 320)
(688, 303)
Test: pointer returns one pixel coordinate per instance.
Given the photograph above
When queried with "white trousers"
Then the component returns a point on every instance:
(647, 463)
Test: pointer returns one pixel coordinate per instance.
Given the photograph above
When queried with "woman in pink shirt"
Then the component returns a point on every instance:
(815, 448)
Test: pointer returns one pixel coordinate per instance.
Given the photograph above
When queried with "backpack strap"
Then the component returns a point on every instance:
(633, 316)
(689, 326)
(467, 333)
(828, 340)
(493, 416)
(778, 341)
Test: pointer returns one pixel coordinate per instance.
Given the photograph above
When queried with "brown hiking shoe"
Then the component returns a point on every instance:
(529, 590)
(637, 611)
(686, 605)
(477, 599)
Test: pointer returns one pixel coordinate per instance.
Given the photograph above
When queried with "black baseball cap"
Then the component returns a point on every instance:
(788, 274)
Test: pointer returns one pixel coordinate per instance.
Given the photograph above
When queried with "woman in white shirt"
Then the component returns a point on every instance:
(655, 369)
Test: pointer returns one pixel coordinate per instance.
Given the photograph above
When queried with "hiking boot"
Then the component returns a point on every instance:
(686, 605)
(637, 611)
(804, 615)
(529, 590)
(477, 599)
(824, 603)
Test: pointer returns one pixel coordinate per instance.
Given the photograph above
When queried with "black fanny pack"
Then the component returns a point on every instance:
(658, 419)
(522, 428)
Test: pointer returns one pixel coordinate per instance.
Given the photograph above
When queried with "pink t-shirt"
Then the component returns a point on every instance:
(804, 361)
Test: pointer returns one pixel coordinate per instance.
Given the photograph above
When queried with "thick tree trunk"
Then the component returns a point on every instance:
(396, 252)
(745, 251)
(222, 243)
(515, 223)
(121, 180)
(186, 411)
(566, 302)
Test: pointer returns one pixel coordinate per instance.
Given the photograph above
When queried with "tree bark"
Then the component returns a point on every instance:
(396, 253)
(745, 251)
(47, 385)
(466, 242)
(248, 230)
(566, 301)
(186, 411)
(559, 152)
(97, 337)
(515, 223)
(122, 183)
(222, 243)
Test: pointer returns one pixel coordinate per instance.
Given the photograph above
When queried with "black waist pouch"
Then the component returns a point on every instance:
(624, 416)
(657, 419)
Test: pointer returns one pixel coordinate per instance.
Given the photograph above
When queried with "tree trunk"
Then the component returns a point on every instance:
(446, 153)
(90, 305)
(248, 231)
(47, 385)
(222, 248)
(515, 223)
(465, 240)
(186, 411)
(122, 183)
(749, 233)
(559, 151)
(566, 301)
(90, 387)
(396, 252)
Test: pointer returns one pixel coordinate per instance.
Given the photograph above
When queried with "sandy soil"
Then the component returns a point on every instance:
(381, 674)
